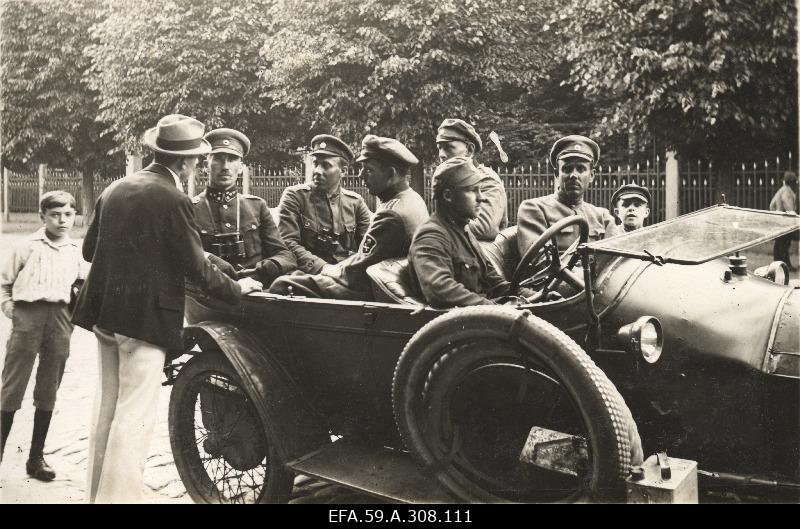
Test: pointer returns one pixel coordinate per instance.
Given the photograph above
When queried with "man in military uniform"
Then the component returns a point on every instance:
(447, 265)
(321, 222)
(631, 206)
(456, 137)
(237, 228)
(574, 158)
(385, 164)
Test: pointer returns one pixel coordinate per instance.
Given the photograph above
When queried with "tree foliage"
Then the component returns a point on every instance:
(708, 77)
(48, 110)
(398, 67)
(194, 57)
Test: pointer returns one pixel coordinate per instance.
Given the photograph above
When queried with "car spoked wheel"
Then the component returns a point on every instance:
(501, 406)
(219, 441)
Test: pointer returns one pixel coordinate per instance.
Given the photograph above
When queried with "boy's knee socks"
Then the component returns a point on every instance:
(6, 419)
(41, 423)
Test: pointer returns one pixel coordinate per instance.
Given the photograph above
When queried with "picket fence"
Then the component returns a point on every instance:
(753, 184)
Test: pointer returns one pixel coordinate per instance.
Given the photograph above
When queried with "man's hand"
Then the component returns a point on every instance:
(8, 308)
(249, 284)
(224, 266)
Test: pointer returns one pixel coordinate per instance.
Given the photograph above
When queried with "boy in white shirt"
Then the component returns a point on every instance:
(35, 285)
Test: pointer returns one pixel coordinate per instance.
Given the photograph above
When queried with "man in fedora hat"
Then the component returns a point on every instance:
(236, 227)
(321, 221)
(385, 164)
(456, 137)
(142, 244)
(631, 206)
(574, 158)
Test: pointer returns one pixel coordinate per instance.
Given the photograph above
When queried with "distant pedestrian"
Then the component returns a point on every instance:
(143, 245)
(785, 199)
(35, 285)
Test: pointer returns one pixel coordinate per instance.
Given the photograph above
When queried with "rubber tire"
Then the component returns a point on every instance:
(606, 417)
(280, 481)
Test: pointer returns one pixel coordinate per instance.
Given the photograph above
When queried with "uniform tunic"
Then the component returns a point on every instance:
(321, 228)
(389, 236)
(537, 214)
(448, 267)
(493, 214)
(262, 240)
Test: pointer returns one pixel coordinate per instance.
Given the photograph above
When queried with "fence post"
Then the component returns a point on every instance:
(671, 189)
(133, 163)
(245, 179)
(308, 167)
(6, 213)
(42, 176)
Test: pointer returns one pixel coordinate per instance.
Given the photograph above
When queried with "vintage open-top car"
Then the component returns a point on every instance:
(654, 340)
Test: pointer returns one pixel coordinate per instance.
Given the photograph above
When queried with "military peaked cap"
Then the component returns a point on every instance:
(229, 141)
(327, 145)
(575, 146)
(459, 130)
(630, 190)
(458, 171)
(378, 147)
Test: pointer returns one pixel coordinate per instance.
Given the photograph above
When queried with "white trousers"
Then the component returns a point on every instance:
(125, 411)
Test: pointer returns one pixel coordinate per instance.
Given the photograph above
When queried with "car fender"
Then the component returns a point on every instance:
(293, 425)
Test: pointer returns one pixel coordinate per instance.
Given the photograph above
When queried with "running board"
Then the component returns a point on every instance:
(391, 475)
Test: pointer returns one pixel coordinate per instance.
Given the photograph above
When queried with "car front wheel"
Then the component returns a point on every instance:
(219, 441)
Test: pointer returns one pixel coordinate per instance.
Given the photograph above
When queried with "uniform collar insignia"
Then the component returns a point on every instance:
(221, 197)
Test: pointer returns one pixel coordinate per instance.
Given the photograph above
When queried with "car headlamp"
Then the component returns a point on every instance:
(643, 338)
(776, 271)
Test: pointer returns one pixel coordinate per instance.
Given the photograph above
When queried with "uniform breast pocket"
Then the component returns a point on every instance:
(252, 239)
(467, 272)
(349, 237)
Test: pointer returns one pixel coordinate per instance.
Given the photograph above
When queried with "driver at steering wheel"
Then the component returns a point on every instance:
(574, 158)
(448, 267)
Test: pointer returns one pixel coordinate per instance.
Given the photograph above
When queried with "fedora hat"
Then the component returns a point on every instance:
(178, 135)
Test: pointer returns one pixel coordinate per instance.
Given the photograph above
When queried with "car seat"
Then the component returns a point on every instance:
(391, 282)
(503, 252)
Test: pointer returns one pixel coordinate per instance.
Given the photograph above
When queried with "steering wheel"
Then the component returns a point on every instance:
(550, 270)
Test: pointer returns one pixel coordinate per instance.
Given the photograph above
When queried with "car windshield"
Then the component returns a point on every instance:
(701, 236)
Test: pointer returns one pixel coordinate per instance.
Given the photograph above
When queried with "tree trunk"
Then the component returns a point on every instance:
(87, 191)
(418, 179)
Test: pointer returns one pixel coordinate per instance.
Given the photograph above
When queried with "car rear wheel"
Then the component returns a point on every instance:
(219, 441)
(502, 406)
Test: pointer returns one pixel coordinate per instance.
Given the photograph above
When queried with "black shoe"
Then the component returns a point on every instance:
(38, 468)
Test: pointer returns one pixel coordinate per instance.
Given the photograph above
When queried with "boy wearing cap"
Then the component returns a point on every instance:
(143, 245)
(321, 222)
(447, 265)
(574, 158)
(221, 209)
(631, 206)
(456, 137)
(385, 163)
